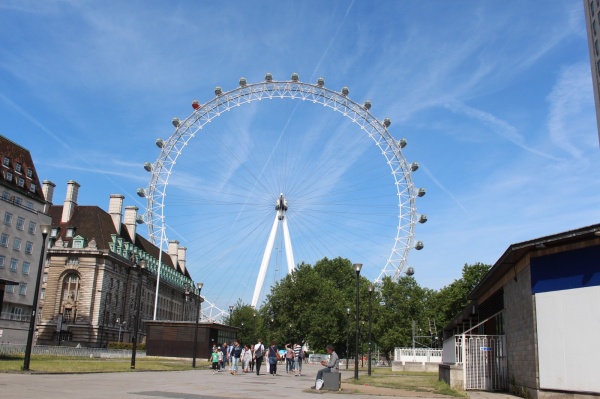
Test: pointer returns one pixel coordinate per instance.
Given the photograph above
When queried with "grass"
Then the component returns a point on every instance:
(406, 380)
(70, 364)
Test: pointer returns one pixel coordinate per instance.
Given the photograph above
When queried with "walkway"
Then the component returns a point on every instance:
(194, 384)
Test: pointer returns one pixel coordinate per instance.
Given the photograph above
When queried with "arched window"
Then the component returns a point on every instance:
(70, 292)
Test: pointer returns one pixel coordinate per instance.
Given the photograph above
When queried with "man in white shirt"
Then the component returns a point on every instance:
(259, 353)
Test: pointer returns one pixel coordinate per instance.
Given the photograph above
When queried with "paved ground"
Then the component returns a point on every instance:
(195, 384)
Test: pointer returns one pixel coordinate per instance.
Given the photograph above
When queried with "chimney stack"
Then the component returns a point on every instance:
(115, 210)
(48, 190)
(130, 221)
(70, 201)
(181, 255)
(173, 252)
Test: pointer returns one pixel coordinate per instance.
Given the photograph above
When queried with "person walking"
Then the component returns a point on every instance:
(252, 358)
(259, 352)
(236, 352)
(224, 355)
(246, 358)
(214, 359)
(298, 352)
(273, 358)
(289, 359)
(332, 366)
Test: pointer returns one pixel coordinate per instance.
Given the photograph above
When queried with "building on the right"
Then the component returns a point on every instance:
(592, 23)
(532, 324)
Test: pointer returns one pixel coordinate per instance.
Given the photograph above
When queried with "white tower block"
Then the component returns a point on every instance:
(280, 208)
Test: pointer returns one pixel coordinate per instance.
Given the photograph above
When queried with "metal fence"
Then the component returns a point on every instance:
(12, 349)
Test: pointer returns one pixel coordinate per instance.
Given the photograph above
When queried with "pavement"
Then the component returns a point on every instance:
(191, 384)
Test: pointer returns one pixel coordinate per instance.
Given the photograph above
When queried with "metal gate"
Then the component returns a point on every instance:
(484, 362)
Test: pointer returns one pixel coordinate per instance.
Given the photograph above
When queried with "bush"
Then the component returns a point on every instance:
(125, 345)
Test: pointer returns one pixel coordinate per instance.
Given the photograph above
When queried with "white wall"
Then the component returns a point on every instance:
(568, 327)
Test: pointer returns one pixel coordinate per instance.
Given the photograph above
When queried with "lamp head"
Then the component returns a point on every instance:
(200, 285)
(45, 228)
(231, 308)
(357, 267)
(143, 264)
(371, 288)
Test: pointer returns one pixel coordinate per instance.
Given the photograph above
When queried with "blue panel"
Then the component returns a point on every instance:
(566, 270)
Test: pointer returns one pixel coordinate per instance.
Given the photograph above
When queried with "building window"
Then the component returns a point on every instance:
(43, 293)
(29, 173)
(8, 176)
(25, 268)
(22, 288)
(8, 218)
(70, 232)
(70, 287)
(31, 229)
(20, 182)
(4, 240)
(18, 167)
(32, 188)
(2, 261)
(74, 261)
(6, 161)
(10, 289)
(29, 247)
(20, 223)
(29, 205)
(14, 264)
(6, 195)
(18, 200)
(45, 278)
(17, 244)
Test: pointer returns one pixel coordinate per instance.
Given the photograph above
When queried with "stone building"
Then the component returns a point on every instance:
(22, 208)
(92, 274)
(529, 328)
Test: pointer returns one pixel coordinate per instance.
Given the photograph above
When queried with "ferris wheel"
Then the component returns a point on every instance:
(340, 199)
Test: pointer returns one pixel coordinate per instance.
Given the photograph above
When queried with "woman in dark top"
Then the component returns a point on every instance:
(273, 354)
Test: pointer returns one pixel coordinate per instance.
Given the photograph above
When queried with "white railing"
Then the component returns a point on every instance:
(418, 355)
(12, 349)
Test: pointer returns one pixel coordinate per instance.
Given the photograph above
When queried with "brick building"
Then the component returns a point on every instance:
(22, 208)
(531, 321)
(92, 274)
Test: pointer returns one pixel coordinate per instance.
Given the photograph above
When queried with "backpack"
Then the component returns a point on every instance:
(258, 352)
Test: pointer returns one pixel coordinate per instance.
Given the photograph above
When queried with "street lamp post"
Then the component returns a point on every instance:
(230, 317)
(371, 288)
(254, 326)
(357, 267)
(45, 229)
(198, 301)
(347, 334)
(141, 267)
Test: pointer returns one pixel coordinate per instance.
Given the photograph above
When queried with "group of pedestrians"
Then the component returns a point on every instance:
(255, 355)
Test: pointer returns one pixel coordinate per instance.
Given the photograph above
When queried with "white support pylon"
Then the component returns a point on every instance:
(280, 208)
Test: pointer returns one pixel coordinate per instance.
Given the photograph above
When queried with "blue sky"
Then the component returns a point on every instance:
(495, 101)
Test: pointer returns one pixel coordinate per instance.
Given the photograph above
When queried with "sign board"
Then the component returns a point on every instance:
(485, 348)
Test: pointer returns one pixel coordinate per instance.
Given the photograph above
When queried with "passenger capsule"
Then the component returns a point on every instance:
(414, 166)
(141, 192)
(243, 81)
(140, 219)
(269, 77)
(321, 82)
(345, 91)
(294, 77)
(410, 271)
(402, 143)
(196, 104)
(387, 122)
(367, 105)
(218, 91)
(419, 245)
(148, 166)
(160, 143)
(422, 218)
(421, 192)
(176, 122)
